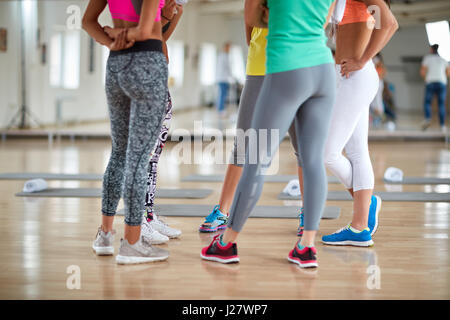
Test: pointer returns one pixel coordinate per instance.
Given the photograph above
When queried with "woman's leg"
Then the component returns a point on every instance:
(349, 126)
(119, 113)
(148, 106)
(154, 159)
(353, 99)
(247, 104)
(276, 108)
(357, 150)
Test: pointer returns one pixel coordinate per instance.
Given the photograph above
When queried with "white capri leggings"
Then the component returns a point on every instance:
(349, 128)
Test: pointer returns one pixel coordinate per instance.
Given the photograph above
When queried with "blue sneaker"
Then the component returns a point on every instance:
(375, 206)
(346, 237)
(215, 221)
(301, 225)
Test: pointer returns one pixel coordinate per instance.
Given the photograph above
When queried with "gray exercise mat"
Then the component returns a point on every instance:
(385, 196)
(420, 180)
(97, 193)
(49, 176)
(202, 210)
(269, 178)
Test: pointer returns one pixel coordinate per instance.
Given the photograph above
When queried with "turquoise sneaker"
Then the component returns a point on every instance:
(375, 206)
(215, 221)
(346, 237)
(301, 225)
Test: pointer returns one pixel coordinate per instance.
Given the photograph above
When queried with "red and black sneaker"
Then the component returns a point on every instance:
(305, 258)
(223, 254)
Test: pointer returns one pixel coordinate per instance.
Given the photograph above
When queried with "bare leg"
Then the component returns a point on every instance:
(107, 223)
(229, 187)
(361, 205)
(308, 238)
(229, 235)
(300, 178)
(132, 233)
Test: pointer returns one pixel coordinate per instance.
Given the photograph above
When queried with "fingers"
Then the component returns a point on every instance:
(121, 39)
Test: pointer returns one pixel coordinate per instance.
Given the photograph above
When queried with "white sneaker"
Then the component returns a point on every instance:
(140, 252)
(163, 228)
(443, 129)
(103, 243)
(151, 235)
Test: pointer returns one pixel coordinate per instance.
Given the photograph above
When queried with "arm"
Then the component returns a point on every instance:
(90, 22)
(378, 40)
(330, 13)
(380, 37)
(254, 13)
(143, 30)
(248, 34)
(168, 12)
(423, 71)
(174, 22)
(94, 29)
(448, 72)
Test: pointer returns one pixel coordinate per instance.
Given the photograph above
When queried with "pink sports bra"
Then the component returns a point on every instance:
(130, 10)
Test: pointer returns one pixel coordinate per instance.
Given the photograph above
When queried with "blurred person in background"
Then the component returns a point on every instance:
(435, 70)
(223, 77)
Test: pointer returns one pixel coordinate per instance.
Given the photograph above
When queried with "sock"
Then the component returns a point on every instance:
(301, 247)
(355, 230)
(223, 244)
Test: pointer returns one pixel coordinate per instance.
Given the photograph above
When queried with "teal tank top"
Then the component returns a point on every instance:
(296, 36)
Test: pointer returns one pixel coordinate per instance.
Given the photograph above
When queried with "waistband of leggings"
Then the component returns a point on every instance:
(147, 45)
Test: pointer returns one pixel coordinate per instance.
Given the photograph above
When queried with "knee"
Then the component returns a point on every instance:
(331, 158)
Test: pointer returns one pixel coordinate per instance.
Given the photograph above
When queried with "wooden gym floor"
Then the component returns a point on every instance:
(41, 238)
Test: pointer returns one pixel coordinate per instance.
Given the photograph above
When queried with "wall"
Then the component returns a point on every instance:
(411, 41)
(9, 65)
(88, 101)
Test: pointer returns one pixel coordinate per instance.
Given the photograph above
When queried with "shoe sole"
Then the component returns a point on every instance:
(158, 242)
(303, 265)
(232, 260)
(350, 243)
(375, 228)
(170, 236)
(103, 251)
(136, 260)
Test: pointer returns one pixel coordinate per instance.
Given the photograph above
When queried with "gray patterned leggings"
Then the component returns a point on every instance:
(154, 159)
(136, 90)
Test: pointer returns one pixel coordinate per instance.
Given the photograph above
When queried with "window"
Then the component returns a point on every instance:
(438, 33)
(208, 56)
(176, 63)
(65, 59)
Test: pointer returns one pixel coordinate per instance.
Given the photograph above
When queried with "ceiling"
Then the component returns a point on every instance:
(407, 12)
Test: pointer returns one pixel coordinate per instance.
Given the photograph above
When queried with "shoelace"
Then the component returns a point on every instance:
(342, 229)
(213, 215)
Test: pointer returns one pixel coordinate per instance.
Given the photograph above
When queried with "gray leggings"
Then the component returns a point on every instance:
(136, 90)
(305, 96)
(249, 96)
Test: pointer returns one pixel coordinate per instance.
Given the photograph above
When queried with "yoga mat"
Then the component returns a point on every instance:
(269, 178)
(420, 180)
(202, 210)
(49, 176)
(385, 196)
(97, 193)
